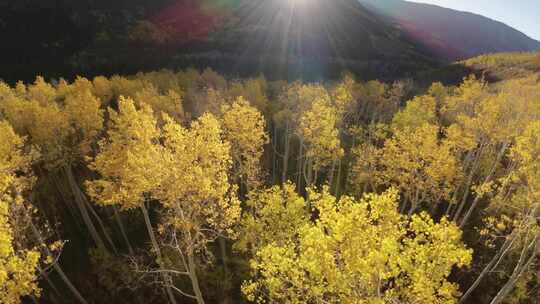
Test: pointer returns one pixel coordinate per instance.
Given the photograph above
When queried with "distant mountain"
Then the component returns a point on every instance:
(451, 34)
(312, 38)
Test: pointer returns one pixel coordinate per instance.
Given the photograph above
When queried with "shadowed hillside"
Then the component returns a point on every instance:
(281, 38)
(311, 38)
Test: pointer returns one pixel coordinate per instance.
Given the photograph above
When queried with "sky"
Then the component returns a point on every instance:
(524, 15)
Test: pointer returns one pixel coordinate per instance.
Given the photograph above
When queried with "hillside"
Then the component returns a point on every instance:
(451, 34)
(281, 38)
(504, 66)
(493, 68)
(309, 38)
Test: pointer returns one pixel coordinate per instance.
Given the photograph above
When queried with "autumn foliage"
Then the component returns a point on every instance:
(186, 187)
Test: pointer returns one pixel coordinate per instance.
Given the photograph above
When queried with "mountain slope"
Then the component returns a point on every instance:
(494, 68)
(313, 39)
(306, 37)
(451, 34)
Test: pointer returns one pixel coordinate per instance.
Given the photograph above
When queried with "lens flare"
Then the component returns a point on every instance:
(192, 19)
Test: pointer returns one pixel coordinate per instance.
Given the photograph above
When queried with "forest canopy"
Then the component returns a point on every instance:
(189, 187)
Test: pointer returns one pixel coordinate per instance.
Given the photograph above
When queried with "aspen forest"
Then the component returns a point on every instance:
(192, 187)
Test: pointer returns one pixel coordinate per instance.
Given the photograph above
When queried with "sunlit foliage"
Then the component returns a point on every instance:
(356, 252)
(332, 192)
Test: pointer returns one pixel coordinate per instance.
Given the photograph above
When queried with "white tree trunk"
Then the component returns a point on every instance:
(166, 278)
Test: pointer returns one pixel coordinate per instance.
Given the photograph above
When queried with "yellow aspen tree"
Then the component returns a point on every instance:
(126, 86)
(283, 211)
(163, 80)
(359, 251)
(130, 166)
(186, 170)
(483, 116)
(343, 99)
(342, 94)
(84, 116)
(103, 89)
(422, 166)
(46, 125)
(65, 131)
(28, 117)
(207, 101)
(365, 157)
(512, 227)
(18, 266)
(281, 120)
(41, 91)
(213, 80)
(189, 78)
(295, 100)
(244, 128)
(6, 93)
(24, 250)
(170, 102)
(255, 93)
(523, 209)
(320, 135)
(200, 204)
(440, 92)
(363, 172)
(375, 104)
(253, 90)
(477, 113)
(418, 111)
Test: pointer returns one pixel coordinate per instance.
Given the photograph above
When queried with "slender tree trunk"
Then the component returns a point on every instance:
(411, 210)
(489, 267)
(45, 275)
(58, 269)
(468, 183)
(453, 200)
(415, 202)
(194, 279)
(69, 206)
(308, 172)
(403, 204)
(120, 224)
(449, 209)
(82, 208)
(519, 270)
(166, 278)
(299, 165)
(285, 155)
(87, 204)
(100, 222)
(70, 285)
(486, 180)
(331, 174)
(226, 297)
(274, 153)
(338, 183)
